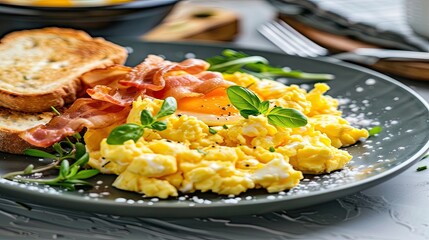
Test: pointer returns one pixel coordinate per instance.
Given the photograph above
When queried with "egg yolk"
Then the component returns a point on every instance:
(215, 102)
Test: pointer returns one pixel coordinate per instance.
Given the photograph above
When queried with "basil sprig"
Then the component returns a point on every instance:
(132, 131)
(249, 104)
(231, 61)
(70, 159)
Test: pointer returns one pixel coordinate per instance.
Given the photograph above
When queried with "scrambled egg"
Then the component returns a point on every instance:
(188, 157)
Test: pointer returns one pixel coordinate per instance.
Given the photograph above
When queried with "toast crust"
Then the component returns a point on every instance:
(12, 123)
(10, 142)
(48, 65)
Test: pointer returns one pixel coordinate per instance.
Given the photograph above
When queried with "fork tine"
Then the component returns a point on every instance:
(284, 42)
(308, 43)
(277, 40)
(291, 41)
(291, 38)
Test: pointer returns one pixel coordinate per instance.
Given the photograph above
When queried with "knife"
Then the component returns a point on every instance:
(370, 56)
(409, 64)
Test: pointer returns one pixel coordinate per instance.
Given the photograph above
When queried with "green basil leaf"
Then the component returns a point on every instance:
(77, 136)
(246, 113)
(80, 150)
(160, 126)
(375, 130)
(84, 174)
(38, 153)
(146, 118)
(286, 117)
(64, 168)
(82, 161)
(125, 132)
(73, 171)
(168, 107)
(264, 106)
(243, 99)
(57, 147)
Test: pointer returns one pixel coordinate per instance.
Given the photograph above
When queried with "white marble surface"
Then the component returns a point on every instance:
(396, 209)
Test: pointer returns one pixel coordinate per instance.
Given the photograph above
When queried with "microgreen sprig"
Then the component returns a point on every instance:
(231, 61)
(70, 159)
(249, 104)
(375, 130)
(133, 131)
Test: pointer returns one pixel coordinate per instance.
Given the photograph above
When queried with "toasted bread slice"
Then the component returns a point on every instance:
(12, 123)
(41, 68)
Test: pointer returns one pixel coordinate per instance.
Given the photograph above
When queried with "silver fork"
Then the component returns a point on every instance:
(291, 41)
(294, 43)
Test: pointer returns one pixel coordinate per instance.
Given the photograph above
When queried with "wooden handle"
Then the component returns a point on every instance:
(413, 70)
(333, 42)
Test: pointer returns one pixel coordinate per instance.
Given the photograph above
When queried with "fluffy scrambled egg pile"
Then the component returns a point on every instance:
(188, 157)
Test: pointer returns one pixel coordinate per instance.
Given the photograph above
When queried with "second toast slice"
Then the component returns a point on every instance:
(41, 68)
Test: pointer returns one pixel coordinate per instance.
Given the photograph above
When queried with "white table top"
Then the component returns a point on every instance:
(396, 209)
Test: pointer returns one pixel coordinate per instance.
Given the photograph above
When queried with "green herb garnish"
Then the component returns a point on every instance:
(421, 168)
(132, 131)
(212, 131)
(225, 127)
(375, 130)
(201, 151)
(231, 61)
(272, 149)
(249, 104)
(70, 159)
(55, 110)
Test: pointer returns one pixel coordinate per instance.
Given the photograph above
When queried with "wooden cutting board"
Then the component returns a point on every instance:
(410, 69)
(194, 22)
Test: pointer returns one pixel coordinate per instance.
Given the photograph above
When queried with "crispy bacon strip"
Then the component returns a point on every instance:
(105, 85)
(105, 76)
(113, 89)
(85, 112)
(191, 66)
(187, 85)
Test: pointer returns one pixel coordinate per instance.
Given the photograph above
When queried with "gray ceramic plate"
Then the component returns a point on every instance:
(368, 98)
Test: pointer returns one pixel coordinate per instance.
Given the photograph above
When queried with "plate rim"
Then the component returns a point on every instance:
(74, 202)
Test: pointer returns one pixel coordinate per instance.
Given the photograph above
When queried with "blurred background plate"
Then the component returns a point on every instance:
(130, 19)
